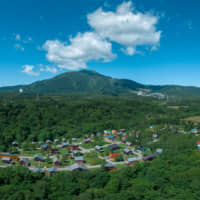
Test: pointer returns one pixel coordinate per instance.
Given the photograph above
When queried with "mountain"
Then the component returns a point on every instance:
(87, 82)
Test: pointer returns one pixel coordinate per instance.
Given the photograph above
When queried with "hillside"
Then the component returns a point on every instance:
(86, 82)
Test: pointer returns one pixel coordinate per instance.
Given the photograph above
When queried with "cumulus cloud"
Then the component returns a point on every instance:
(47, 68)
(126, 26)
(28, 69)
(82, 48)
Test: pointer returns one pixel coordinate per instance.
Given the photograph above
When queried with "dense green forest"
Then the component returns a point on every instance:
(48, 118)
(173, 175)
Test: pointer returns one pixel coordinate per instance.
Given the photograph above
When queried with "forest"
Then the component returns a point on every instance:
(173, 175)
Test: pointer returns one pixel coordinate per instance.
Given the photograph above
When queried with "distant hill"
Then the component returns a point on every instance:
(87, 82)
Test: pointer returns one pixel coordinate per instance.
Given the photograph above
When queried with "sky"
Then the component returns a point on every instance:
(151, 42)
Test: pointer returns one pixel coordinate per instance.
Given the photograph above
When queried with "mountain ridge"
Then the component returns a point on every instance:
(93, 83)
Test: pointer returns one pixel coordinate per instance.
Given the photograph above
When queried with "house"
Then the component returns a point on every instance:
(9, 155)
(56, 162)
(149, 157)
(123, 140)
(122, 130)
(53, 151)
(159, 151)
(38, 170)
(119, 134)
(15, 144)
(78, 167)
(85, 141)
(74, 147)
(109, 167)
(113, 131)
(99, 149)
(24, 162)
(128, 152)
(79, 160)
(75, 152)
(155, 136)
(65, 144)
(109, 138)
(49, 142)
(6, 160)
(38, 158)
(152, 126)
(74, 139)
(128, 144)
(132, 161)
(45, 147)
(194, 130)
(114, 155)
(92, 135)
(113, 147)
(56, 141)
(52, 171)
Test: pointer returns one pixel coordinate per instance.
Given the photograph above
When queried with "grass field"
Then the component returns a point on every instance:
(177, 107)
(195, 119)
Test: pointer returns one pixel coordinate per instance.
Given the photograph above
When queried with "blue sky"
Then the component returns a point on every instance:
(152, 42)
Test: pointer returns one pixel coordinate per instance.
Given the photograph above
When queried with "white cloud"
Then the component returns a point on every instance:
(82, 48)
(28, 69)
(18, 37)
(19, 47)
(126, 26)
(47, 68)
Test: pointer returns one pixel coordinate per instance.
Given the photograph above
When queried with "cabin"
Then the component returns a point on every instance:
(127, 152)
(56, 162)
(86, 141)
(122, 130)
(74, 147)
(53, 151)
(36, 170)
(99, 149)
(65, 144)
(129, 144)
(78, 167)
(155, 136)
(109, 167)
(194, 130)
(52, 171)
(132, 161)
(113, 131)
(149, 157)
(49, 142)
(38, 158)
(45, 147)
(56, 141)
(123, 140)
(113, 147)
(9, 155)
(79, 160)
(109, 138)
(6, 160)
(15, 144)
(113, 155)
(159, 151)
(92, 136)
(24, 162)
